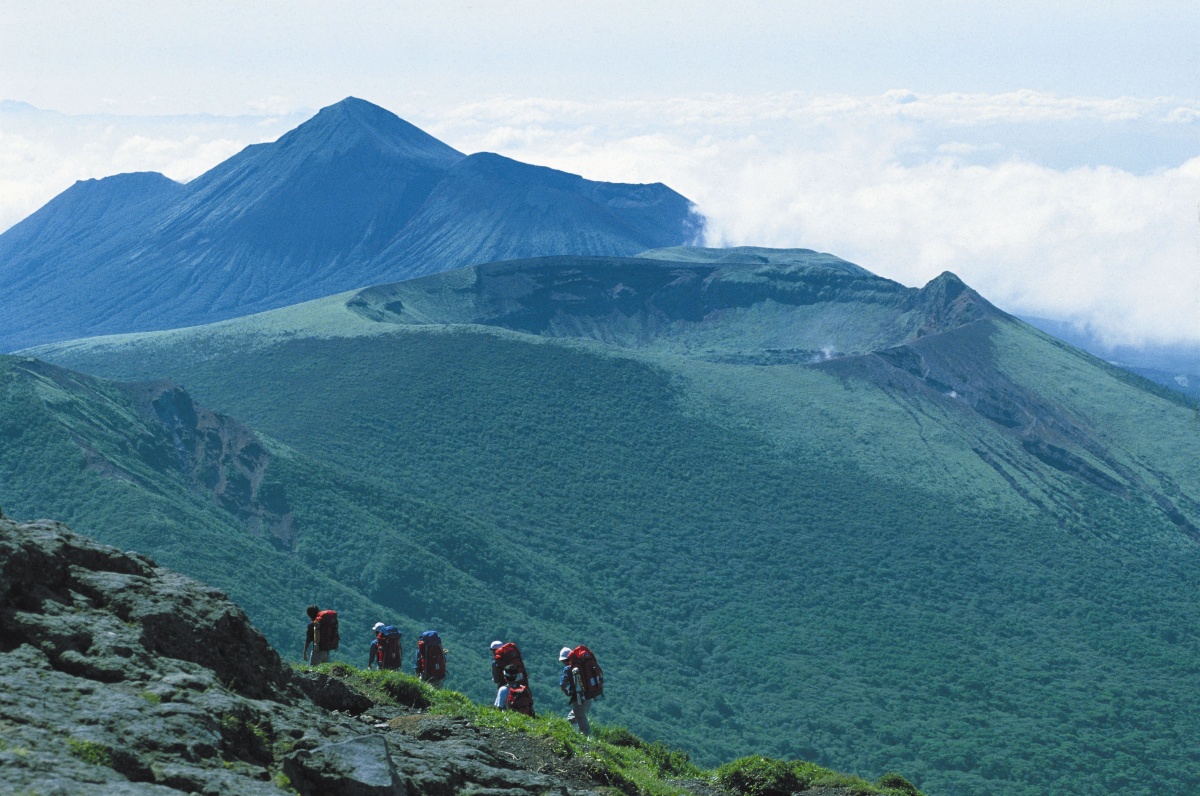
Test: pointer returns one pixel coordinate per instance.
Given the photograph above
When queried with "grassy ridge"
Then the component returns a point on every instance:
(614, 756)
(777, 548)
(74, 451)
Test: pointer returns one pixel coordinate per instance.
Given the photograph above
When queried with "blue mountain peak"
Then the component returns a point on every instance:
(354, 122)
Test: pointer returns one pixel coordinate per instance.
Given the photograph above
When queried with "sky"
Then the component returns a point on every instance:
(1048, 153)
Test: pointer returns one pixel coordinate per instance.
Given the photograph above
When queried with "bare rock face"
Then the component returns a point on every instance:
(375, 765)
(219, 456)
(215, 455)
(120, 677)
(98, 613)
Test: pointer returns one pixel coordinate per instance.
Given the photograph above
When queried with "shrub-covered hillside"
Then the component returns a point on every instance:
(970, 555)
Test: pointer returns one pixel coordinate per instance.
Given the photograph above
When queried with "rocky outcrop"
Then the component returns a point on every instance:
(219, 456)
(120, 677)
(947, 303)
(157, 426)
(376, 765)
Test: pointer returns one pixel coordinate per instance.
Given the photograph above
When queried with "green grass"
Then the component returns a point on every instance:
(246, 737)
(763, 776)
(383, 686)
(91, 752)
(612, 755)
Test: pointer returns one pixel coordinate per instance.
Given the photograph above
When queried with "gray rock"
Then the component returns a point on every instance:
(119, 677)
(395, 766)
(358, 767)
(332, 694)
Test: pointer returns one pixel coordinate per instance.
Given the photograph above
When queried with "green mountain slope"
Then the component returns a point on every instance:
(86, 450)
(949, 545)
(144, 467)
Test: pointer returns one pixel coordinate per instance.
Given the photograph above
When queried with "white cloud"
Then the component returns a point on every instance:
(886, 181)
(1183, 115)
(1010, 191)
(43, 153)
(724, 110)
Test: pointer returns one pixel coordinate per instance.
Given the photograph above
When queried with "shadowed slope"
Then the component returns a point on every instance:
(144, 466)
(492, 208)
(328, 194)
(89, 214)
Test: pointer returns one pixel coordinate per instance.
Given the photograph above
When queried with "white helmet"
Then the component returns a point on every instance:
(497, 645)
(377, 626)
(564, 653)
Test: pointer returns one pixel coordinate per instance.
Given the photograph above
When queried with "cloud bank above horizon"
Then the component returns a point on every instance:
(1077, 209)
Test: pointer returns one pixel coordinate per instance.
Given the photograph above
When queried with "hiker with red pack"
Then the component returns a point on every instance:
(582, 681)
(431, 659)
(507, 655)
(387, 650)
(321, 635)
(514, 695)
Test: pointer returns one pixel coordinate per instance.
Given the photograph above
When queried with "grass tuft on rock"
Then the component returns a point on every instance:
(895, 782)
(91, 752)
(389, 687)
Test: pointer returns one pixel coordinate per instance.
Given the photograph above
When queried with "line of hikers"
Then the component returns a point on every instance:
(582, 679)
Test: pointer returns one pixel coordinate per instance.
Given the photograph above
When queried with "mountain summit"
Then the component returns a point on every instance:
(353, 197)
(354, 122)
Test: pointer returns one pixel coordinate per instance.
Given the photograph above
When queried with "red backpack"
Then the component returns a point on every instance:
(520, 699)
(508, 655)
(430, 656)
(391, 653)
(325, 629)
(591, 676)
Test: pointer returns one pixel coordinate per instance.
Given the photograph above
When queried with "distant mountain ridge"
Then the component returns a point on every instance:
(355, 196)
(749, 305)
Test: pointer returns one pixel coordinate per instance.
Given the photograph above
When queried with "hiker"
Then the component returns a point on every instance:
(507, 655)
(431, 659)
(321, 635)
(582, 681)
(514, 695)
(387, 650)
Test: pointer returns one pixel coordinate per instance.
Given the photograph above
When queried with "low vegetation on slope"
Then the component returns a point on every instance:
(119, 676)
(178, 482)
(612, 756)
(969, 557)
